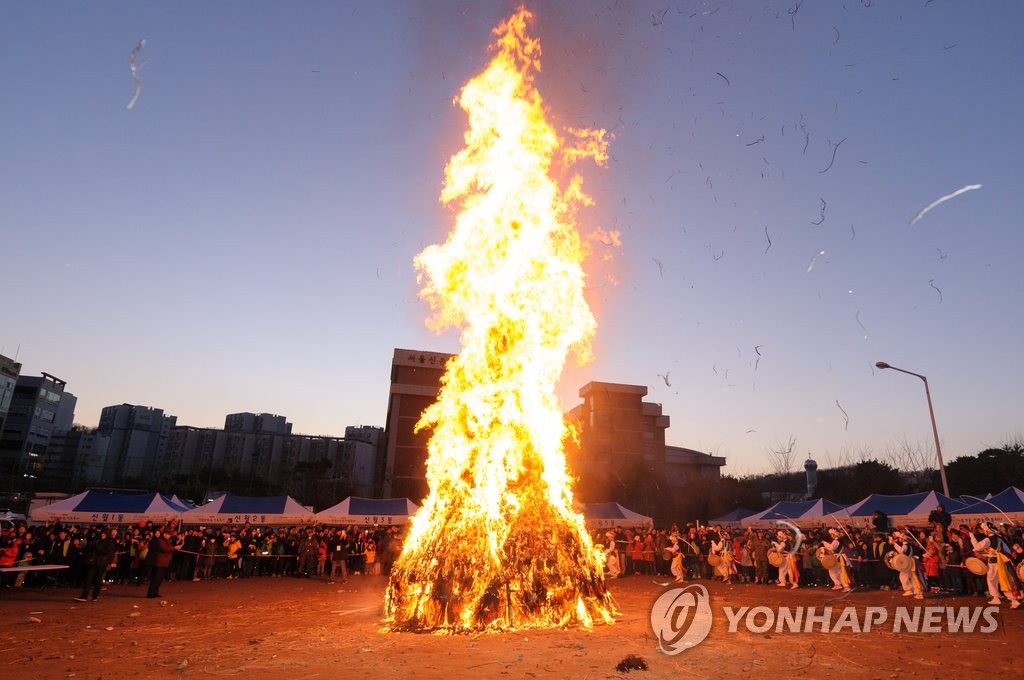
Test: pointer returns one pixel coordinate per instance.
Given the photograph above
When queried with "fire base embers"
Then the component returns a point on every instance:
(538, 578)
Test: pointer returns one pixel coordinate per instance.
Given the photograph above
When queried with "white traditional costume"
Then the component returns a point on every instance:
(911, 580)
(676, 565)
(723, 548)
(612, 557)
(788, 570)
(838, 572)
(1001, 578)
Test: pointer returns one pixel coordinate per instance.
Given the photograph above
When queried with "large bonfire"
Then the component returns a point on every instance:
(496, 544)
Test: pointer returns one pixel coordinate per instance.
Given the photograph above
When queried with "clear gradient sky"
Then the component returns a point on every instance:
(242, 238)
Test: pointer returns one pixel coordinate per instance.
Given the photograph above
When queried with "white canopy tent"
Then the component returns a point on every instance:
(817, 512)
(99, 507)
(611, 515)
(904, 510)
(1006, 506)
(268, 510)
(368, 512)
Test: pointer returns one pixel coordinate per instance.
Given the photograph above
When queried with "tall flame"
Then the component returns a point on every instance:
(496, 544)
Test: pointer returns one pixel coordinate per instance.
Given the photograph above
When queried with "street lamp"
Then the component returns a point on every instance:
(931, 412)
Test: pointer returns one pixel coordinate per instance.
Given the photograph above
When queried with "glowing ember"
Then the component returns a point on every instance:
(496, 544)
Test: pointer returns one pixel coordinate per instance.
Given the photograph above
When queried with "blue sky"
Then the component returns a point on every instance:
(242, 238)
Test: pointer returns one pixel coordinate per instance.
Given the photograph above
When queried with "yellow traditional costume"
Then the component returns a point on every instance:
(1001, 578)
(838, 572)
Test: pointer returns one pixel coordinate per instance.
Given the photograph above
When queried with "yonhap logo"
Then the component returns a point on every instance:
(681, 618)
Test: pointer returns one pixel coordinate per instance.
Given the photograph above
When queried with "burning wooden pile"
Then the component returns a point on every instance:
(496, 544)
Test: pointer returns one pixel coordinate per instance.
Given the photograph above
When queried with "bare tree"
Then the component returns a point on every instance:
(1013, 442)
(829, 459)
(780, 456)
(866, 453)
(847, 457)
(740, 472)
(911, 456)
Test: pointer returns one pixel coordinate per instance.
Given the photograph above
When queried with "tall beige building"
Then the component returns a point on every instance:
(9, 372)
(621, 437)
(415, 382)
(621, 455)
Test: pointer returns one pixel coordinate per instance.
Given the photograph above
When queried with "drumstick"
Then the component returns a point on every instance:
(910, 533)
(1000, 510)
(799, 534)
(840, 524)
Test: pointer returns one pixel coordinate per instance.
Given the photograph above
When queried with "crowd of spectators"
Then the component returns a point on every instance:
(940, 548)
(96, 555)
(126, 554)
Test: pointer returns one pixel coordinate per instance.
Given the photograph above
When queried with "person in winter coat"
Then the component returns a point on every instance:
(97, 554)
(159, 559)
(309, 548)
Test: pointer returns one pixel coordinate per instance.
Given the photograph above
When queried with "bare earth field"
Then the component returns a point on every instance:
(309, 628)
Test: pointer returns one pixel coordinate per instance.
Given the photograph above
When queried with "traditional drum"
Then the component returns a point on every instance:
(901, 562)
(667, 555)
(1020, 571)
(775, 558)
(714, 560)
(827, 558)
(887, 560)
(977, 566)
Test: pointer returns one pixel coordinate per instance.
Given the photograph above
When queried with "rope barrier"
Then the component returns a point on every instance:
(192, 552)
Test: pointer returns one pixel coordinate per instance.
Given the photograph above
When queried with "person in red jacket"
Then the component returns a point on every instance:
(159, 559)
(10, 546)
(930, 562)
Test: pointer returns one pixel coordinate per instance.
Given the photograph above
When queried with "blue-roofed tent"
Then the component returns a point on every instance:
(783, 510)
(1007, 505)
(732, 519)
(823, 513)
(368, 511)
(101, 507)
(912, 509)
(266, 510)
(611, 515)
(804, 514)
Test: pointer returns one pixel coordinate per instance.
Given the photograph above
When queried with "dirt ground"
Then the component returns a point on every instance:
(310, 628)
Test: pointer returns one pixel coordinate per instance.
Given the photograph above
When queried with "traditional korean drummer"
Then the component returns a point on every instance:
(788, 570)
(990, 547)
(722, 548)
(838, 572)
(910, 578)
(676, 562)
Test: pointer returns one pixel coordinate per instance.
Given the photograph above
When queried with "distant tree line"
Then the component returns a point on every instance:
(989, 471)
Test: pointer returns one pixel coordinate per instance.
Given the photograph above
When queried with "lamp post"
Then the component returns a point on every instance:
(931, 412)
